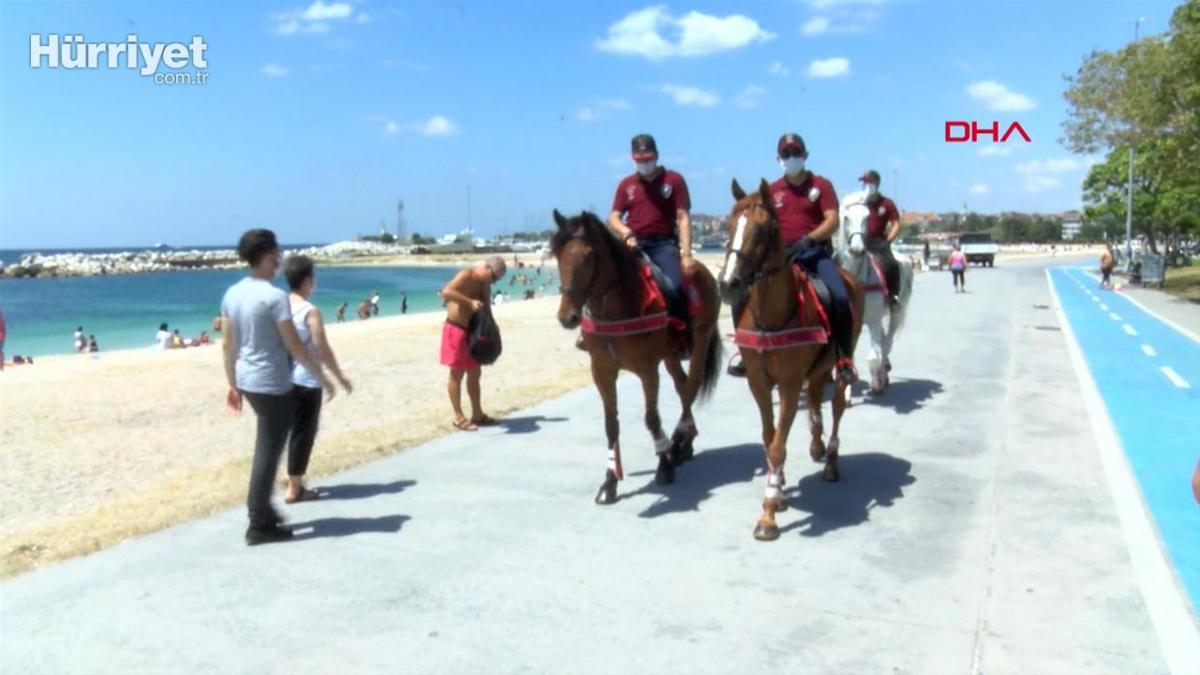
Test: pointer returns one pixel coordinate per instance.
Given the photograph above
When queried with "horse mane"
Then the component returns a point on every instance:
(598, 234)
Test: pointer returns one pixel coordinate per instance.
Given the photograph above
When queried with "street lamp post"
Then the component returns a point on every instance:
(1129, 184)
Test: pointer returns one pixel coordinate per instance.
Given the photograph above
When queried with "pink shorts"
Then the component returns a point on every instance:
(455, 351)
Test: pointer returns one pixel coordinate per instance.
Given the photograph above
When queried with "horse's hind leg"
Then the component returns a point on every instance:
(665, 473)
(830, 473)
(773, 499)
(606, 384)
(685, 429)
(816, 425)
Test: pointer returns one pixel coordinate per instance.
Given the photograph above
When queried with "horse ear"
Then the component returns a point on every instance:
(738, 192)
(559, 219)
(764, 192)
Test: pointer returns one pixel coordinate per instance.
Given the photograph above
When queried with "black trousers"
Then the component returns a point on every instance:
(891, 268)
(304, 428)
(274, 412)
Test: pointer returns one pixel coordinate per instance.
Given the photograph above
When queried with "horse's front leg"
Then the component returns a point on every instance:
(665, 473)
(773, 499)
(874, 320)
(605, 376)
(816, 426)
(830, 473)
(685, 429)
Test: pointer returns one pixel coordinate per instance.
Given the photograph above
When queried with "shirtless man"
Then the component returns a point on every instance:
(466, 293)
(1106, 267)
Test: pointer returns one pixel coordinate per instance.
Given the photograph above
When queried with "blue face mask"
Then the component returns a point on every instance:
(792, 165)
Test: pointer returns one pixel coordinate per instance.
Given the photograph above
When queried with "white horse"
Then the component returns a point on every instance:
(852, 254)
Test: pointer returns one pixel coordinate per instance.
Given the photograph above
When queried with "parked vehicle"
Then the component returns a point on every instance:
(979, 248)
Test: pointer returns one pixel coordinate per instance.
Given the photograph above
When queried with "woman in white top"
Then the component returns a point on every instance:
(306, 389)
(163, 339)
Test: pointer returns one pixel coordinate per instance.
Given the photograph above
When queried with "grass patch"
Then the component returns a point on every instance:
(1184, 282)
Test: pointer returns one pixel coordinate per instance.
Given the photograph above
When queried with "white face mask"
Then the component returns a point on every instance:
(646, 168)
(792, 165)
(872, 189)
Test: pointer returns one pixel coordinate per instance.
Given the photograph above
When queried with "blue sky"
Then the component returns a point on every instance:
(317, 116)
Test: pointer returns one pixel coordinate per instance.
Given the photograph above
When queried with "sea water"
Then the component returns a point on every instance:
(124, 312)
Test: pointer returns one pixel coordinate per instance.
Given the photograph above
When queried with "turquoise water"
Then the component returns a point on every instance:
(124, 312)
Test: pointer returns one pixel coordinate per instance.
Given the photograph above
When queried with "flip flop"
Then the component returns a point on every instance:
(465, 425)
(306, 495)
(486, 421)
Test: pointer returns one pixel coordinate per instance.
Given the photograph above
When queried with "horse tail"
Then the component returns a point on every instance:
(713, 358)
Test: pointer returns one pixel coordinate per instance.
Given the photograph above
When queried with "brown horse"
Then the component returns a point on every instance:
(602, 289)
(782, 341)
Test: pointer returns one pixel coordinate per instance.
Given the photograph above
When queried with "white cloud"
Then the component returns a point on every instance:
(319, 11)
(815, 26)
(312, 19)
(826, 4)
(995, 151)
(615, 103)
(391, 129)
(777, 68)
(438, 126)
(979, 189)
(1037, 166)
(999, 97)
(1041, 183)
(835, 67)
(655, 34)
(750, 97)
(587, 115)
(362, 17)
(274, 70)
(684, 95)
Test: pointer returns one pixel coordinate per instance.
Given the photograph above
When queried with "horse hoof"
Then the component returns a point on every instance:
(830, 474)
(607, 494)
(665, 473)
(766, 531)
(816, 450)
(687, 451)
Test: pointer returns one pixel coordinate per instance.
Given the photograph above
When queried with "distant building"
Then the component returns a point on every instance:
(1070, 228)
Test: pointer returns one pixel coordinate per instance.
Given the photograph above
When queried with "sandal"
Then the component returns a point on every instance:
(306, 495)
(486, 421)
(465, 424)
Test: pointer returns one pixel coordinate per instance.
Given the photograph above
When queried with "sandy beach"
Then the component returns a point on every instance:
(98, 450)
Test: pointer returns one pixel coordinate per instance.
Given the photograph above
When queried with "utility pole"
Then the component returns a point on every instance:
(401, 226)
(1137, 23)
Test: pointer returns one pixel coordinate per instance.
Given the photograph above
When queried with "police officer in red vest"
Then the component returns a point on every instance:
(883, 226)
(806, 208)
(650, 212)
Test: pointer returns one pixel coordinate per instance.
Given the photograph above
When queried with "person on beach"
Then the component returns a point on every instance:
(341, 312)
(958, 268)
(259, 336)
(467, 293)
(163, 338)
(306, 388)
(203, 340)
(80, 343)
(177, 340)
(92, 346)
(364, 310)
(374, 303)
(403, 303)
(3, 335)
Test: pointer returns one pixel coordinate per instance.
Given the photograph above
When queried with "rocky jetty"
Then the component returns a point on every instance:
(142, 262)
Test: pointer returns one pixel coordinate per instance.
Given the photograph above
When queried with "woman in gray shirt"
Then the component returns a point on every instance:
(258, 336)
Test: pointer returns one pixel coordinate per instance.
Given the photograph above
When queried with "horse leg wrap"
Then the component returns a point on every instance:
(774, 484)
(614, 462)
(662, 445)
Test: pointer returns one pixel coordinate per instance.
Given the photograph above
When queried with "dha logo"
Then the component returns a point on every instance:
(70, 51)
(969, 132)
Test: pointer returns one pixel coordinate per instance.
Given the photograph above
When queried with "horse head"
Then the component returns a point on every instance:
(753, 240)
(853, 229)
(591, 262)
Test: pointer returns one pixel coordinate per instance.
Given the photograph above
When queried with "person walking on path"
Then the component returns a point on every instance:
(467, 293)
(259, 335)
(1106, 267)
(958, 269)
(306, 388)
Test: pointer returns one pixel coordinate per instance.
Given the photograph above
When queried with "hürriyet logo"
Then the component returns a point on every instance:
(71, 51)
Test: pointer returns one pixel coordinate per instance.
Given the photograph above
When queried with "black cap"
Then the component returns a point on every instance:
(643, 147)
(871, 176)
(791, 142)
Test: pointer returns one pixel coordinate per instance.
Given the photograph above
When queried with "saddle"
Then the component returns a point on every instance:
(812, 287)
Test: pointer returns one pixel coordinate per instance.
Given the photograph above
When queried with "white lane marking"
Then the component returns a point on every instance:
(1103, 307)
(1175, 378)
(1114, 316)
(1097, 299)
(1129, 329)
(1148, 350)
(1178, 637)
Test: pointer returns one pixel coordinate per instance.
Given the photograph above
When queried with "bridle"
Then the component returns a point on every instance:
(588, 293)
(752, 274)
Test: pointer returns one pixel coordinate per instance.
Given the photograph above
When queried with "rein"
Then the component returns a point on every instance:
(610, 327)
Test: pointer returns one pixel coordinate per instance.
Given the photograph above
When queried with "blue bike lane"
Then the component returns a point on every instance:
(1148, 375)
